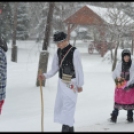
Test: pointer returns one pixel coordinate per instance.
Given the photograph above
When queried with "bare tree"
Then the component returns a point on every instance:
(132, 44)
(132, 38)
(14, 47)
(117, 27)
(43, 61)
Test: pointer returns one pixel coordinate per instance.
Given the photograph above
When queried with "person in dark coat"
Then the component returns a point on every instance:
(3, 72)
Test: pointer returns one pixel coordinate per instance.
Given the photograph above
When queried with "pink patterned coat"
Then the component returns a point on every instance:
(122, 96)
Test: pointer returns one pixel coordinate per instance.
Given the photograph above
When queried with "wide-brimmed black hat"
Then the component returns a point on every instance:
(59, 36)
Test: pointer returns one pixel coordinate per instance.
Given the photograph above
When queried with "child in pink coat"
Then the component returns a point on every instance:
(124, 96)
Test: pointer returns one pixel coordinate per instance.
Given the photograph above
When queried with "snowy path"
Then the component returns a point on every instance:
(22, 110)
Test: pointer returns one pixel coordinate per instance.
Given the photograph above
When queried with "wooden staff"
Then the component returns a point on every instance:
(42, 103)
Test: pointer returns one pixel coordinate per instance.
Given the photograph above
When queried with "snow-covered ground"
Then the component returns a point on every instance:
(22, 109)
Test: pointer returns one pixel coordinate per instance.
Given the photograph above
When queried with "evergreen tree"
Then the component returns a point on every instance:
(42, 22)
(5, 20)
(22, 22)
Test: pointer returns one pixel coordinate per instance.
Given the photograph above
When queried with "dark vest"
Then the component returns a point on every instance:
(125, 70)
(67, 64)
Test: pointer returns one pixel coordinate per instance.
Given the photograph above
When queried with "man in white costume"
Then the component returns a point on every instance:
(67, 62)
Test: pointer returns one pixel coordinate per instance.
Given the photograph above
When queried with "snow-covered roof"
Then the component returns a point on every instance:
(112, 15)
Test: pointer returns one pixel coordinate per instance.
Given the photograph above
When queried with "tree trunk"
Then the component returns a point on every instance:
(111, 54)
(115, 57)
(14, 47)
(75, 38)
(48, 26)
(43, 61)
(132, 46)
(111, 48)
(122, 44)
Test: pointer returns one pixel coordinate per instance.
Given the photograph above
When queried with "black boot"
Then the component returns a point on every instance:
(65, 128)
(71, 129)
(130, 119)
(130, 116)
(114, 115)
(113, 118)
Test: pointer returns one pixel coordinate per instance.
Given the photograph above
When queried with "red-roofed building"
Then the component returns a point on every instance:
(91, 15)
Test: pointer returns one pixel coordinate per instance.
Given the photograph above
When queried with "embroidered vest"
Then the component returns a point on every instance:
(67, 65)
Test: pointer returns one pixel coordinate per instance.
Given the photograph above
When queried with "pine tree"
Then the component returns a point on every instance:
(42, 22)
(22, 22)
(5, 20)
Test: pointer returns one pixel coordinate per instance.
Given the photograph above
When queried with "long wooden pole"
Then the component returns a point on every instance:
(42, 103)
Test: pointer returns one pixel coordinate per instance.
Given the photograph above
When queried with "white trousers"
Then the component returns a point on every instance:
(65, 104)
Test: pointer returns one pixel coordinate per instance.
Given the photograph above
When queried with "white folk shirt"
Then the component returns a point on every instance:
(66, 98)
(116, 73)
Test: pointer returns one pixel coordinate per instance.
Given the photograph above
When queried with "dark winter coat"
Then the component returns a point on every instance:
(3, 45)
(3, 74)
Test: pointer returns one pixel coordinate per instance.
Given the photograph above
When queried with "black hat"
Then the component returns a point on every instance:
(126, 52)
(59, 36)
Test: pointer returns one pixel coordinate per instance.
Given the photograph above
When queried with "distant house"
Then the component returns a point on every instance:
(97, 16)
(105, 14)
(91, 15)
